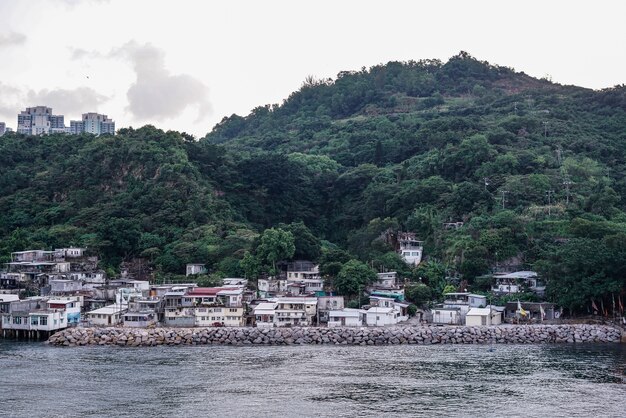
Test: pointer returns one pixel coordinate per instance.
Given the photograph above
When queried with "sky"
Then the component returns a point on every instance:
(186, 64)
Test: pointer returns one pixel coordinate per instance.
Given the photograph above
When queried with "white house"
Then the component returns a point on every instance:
(517, 281)
(70, 305)
(108, 316)
(483, 316)
(295, 311)
(377, 317)
(140, 319)
(386, 280)
(346, 318)
(192, 269)
(448, 316)
(265, 314)
(409, 248)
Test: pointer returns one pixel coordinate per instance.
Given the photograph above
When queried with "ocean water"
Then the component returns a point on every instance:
(288, 381)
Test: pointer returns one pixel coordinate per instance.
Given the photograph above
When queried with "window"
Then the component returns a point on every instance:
(17, 320)
(34, 320)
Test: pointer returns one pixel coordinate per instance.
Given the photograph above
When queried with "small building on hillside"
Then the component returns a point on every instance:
(410, 248)
(192, 269)
(518, 281)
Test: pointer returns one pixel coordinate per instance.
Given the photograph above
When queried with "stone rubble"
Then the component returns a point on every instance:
(521, 334)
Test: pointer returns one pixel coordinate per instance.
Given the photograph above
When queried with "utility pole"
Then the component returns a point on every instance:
(545, 129)
(504, 192)
(549, 193)
(567, 183)
(559, 154)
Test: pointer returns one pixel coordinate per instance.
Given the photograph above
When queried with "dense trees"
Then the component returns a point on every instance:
(533, 170)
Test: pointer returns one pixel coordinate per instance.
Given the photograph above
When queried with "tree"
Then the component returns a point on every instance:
(308, 246)
(353, 278)
(250, 265)
(419, 294)
(276, 244)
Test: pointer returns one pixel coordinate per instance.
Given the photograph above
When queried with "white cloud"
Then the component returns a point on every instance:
(75, 101)
(157, 94)
(12, 39)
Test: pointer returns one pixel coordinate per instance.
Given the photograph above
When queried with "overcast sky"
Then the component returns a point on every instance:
(185, 64)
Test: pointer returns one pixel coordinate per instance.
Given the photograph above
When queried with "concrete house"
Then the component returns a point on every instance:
(108, 316)
(483, 317)
(518, 281)
(192, 269)
(346, 318)
(326, 304)
(295, 311)
(265, 314)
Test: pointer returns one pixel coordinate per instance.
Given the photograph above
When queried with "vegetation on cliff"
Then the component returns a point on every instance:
(534, 170)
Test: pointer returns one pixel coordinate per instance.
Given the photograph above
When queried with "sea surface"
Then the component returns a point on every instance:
(288, 381)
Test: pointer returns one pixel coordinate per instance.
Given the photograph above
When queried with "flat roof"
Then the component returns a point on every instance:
(63, 301)
(478, 312)
(108, 310)
(265, 306)
(297, 300)
(378, 309)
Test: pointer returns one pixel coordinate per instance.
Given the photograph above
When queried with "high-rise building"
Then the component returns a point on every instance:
(39, 120)
(3, 128)
(76, 127)
(93, 123)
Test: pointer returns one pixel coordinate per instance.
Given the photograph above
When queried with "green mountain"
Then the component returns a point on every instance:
(533, 169)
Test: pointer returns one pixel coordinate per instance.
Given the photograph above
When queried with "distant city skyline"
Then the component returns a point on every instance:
(190, 63)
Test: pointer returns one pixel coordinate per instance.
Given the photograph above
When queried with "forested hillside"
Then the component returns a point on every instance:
(534, 170)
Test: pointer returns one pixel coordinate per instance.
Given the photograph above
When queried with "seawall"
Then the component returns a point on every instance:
(523, 334)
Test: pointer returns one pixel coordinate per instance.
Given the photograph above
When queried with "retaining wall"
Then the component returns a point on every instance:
(523, 334)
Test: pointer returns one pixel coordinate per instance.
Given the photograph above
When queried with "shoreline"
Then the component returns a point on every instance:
(398, 335)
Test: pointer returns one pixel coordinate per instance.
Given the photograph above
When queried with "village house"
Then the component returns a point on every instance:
(304, 273)
(272, 286)
(410, 248)
(265, 314)
(140, 319)
(326, 304)
(295, 311)
(483, 316)
(387, 280)
(518, 281)
(447, 316)
(533, 311)
(110, 315)
(192, 269)
(234, 282)
(346, 317)
(37, 316)
(143, 312)
(380, 317)
(217, 306)
(455, 306)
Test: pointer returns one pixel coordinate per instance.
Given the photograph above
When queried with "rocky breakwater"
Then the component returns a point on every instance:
(529, 334)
